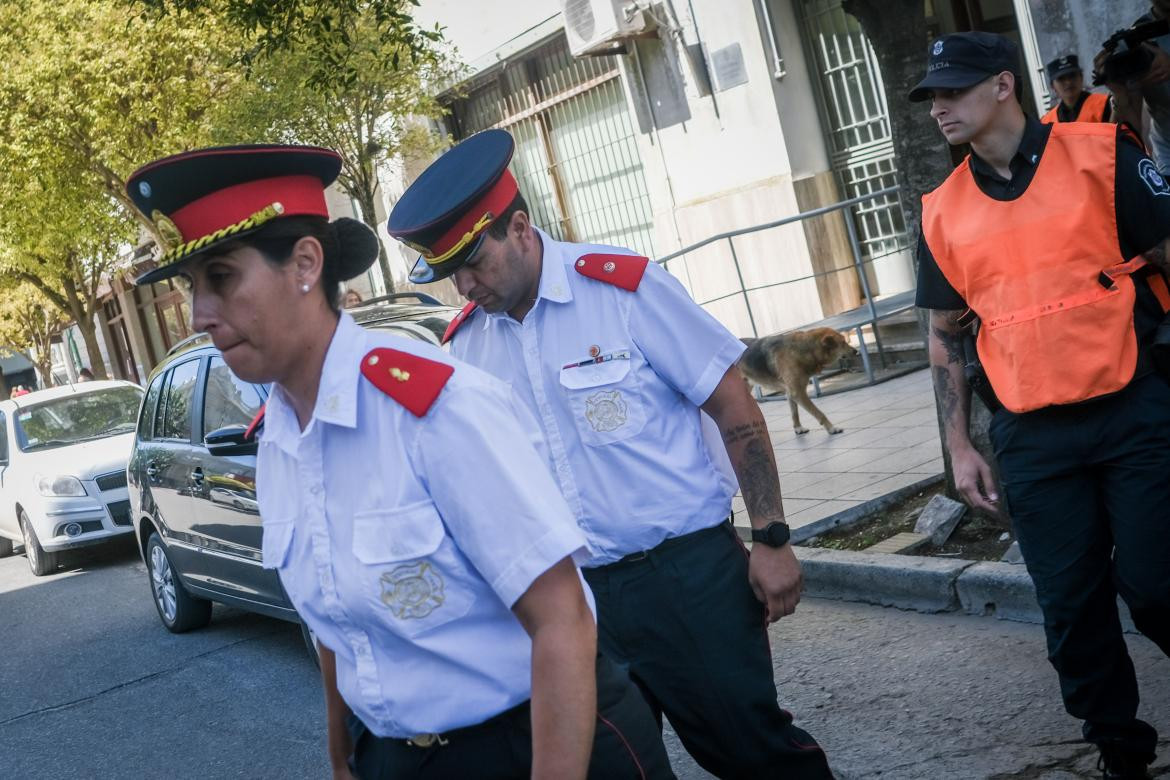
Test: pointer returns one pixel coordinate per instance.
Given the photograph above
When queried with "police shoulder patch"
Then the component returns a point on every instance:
(457, 323)
(623, 271)
(413, 381)
(1153, 179)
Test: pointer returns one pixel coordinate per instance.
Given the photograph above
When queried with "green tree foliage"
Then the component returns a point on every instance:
(29, 321)
(373, 113)
(91, 91)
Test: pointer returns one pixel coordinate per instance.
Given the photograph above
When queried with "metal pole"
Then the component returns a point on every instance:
(856, 247)
(743, 288)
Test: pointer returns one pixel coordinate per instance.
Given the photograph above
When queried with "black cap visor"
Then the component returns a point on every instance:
(1066, 71)
(424, 273)
(953, 77)
(169, 270)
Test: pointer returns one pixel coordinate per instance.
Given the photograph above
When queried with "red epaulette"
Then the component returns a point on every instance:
(256, 424)
(412, 381)
(456, 323)
(623, 271)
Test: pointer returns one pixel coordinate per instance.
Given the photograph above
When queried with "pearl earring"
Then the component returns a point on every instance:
(304, 288)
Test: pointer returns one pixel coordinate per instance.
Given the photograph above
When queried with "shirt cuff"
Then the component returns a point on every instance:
(727, 356)
(538, 558)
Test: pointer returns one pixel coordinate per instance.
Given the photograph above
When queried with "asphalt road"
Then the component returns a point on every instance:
(92, 686)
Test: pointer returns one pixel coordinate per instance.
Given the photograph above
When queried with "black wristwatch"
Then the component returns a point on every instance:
(773, 534)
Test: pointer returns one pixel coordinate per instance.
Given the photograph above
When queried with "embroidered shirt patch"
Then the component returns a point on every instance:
(1153, 179)
(606, 410)
(413, 590)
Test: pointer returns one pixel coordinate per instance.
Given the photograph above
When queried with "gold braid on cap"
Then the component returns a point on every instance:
(468, 237)
(266, 214)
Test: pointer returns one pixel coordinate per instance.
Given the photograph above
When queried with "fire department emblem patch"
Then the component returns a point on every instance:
(606, 410)
(1153, 179)
(413, 590)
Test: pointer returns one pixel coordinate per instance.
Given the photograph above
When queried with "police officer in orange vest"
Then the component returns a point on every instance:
(1074, 104)
(1053, 237)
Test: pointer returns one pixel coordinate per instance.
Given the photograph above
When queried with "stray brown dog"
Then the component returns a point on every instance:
(786, 361)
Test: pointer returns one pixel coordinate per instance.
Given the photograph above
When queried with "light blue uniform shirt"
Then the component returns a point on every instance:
(403, 542)
(623, 435)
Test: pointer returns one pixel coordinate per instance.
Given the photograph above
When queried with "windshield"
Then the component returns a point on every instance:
(77, 418)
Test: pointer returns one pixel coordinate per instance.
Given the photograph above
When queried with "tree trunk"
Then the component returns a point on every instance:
(84, 317)
(365, 200)
(897, 30)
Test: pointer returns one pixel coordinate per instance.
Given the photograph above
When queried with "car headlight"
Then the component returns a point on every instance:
(60, 486)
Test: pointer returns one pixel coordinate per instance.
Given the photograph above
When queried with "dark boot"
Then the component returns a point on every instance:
(1116, 763)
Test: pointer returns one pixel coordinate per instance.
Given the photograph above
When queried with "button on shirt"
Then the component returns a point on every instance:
(615, 378)
(403, 542)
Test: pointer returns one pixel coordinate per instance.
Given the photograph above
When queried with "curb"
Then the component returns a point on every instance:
(920, 583)
(925, 584)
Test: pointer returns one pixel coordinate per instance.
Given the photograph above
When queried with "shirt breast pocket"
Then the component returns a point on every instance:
(604, 400)
(411, 571)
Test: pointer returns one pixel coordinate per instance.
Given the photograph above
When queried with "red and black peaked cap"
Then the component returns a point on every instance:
(201, 199)
(447, 209)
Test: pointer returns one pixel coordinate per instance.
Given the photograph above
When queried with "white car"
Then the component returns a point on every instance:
(63, 455)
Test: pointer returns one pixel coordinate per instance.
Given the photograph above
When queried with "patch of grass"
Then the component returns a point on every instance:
(977, 537)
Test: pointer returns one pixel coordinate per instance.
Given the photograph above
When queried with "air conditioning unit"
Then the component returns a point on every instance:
(595, 26)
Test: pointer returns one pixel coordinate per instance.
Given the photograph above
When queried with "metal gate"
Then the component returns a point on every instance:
(854, 106)
(576, 157)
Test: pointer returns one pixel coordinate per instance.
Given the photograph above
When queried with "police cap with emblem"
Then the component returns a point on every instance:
(202, 199)
(445, 212)
(1063, 66)
(963, 60)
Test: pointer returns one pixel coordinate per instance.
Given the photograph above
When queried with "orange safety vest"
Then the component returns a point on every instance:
(1092, 110)
(1044, 273)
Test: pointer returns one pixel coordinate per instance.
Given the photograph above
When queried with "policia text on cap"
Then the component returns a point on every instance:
(1052, 235)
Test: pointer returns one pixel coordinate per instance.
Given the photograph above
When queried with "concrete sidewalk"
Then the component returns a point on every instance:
(890, 444)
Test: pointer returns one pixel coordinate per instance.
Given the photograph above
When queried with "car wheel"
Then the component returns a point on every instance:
(311, 644)
(39, 561)
(178, 609)
(5, 547)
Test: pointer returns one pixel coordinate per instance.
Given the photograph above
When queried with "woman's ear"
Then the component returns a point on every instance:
(308, 259)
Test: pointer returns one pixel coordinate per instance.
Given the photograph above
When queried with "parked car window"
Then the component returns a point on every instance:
(146, 419)
(75, 418)
(228, 400)
(3, 439)
(175, 406)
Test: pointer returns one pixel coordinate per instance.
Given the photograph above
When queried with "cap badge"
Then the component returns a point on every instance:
(609, 267)
(938, 47)
(144, 189)
(168, 231)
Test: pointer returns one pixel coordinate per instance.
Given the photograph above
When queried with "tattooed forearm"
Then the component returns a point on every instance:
(952, 342)
(759, 482)
(746, 431)
(944, 389)
(750, 450)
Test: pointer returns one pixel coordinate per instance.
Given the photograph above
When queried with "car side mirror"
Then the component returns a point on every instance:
(229, 441)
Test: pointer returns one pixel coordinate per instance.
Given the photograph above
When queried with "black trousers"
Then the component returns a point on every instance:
(627, 743)
(685, 622)
(1088, 488)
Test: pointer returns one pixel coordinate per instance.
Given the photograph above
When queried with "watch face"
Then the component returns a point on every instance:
(778, 534)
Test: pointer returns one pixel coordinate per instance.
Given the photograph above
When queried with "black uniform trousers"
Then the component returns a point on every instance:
(1088, 488)
(684, 620)
(627, 743)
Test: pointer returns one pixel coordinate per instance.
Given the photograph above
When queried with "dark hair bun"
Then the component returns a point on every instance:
(357, 247)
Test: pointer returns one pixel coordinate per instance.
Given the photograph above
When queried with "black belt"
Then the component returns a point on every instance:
(664, 545)
(425, 741)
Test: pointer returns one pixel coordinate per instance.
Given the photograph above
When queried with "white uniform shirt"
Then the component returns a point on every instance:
(403, 541)
(623, 435)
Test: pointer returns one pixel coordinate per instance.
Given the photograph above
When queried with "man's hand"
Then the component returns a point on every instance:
(774, 574)
(974, 480)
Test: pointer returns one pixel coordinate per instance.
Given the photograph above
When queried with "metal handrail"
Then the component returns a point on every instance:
(786, 221)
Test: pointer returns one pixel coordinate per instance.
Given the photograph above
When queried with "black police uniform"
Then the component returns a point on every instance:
(1088, 485)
